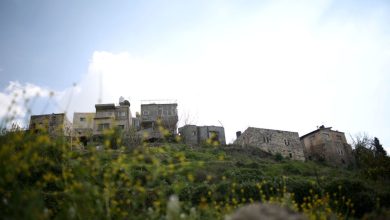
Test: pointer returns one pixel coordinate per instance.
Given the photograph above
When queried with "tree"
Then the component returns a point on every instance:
(371, 158)
(377, 148)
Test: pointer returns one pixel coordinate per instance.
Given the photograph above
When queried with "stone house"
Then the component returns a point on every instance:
(56, 125)
(285, 143)
(195, 135)
(157, 118)
(109, 116)
(325, 144)
(83, 126)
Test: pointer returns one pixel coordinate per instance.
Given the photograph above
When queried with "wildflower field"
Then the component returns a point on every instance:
(42, 178)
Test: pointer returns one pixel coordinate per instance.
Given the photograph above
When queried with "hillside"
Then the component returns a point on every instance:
(42, 178)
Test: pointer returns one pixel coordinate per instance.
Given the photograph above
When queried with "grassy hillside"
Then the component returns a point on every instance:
(41, 178)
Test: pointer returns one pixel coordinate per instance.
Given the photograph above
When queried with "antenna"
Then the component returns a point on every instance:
(220, 123)
(100, 88)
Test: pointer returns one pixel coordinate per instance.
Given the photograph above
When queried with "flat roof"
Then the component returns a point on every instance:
(105, 106)
(159, 102)
(271, 130)
(43, 115)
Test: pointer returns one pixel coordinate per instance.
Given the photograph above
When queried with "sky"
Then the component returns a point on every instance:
(286, 65)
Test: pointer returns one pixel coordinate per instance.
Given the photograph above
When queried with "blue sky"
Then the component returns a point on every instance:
(271, 64)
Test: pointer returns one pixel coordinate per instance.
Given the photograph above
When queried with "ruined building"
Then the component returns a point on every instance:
(195, 135)
(83, 126)
(55, 125)
(158, 119)
(325, 144)
(109, 116)
(285, 143)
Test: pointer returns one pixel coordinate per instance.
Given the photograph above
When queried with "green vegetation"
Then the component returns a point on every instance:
(41, 178)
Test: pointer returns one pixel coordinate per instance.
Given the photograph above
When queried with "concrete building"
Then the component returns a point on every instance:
(136, 121)
(55, 125)
(83, 126)
(158, 118)
(195, 135)
(325, 144)
(272, 141)
(109, 116)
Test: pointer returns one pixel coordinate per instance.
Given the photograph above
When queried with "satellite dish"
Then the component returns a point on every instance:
(121, 99)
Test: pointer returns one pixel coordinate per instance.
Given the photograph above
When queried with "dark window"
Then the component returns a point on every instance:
(290, 155)
(82, 119)
(103, 126)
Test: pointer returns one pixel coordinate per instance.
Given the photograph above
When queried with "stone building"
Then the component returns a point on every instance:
(55, 125)
(109, 116)
(325, 144)
(273, 141)
(83, 126)
(195, 135)
(157, 118)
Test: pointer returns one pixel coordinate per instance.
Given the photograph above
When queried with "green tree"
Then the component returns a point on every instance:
(371, 158)
(378, 149)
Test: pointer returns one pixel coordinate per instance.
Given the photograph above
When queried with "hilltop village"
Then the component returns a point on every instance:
(159, 120)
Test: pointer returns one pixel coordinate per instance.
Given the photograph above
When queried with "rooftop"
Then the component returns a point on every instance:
(159, 102)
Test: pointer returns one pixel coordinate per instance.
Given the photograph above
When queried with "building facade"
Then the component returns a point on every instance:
(158, 120)
(325, 144)
(275, 142)
(195, 135)
(83, 126)
(55, 125)
(109, 116)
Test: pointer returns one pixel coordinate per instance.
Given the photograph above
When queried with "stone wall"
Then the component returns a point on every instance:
(207, 132)
(329, 146)
(273, 141)
(196, 135)
(189, 134)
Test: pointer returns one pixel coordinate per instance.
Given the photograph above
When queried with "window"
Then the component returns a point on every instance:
(103, 126)
(145, 112)
(121, 127)
(266, 139)
(82, 119)
(121, 114)
(290, 154)
(193, 133)
(286, 142)
(325, 136)
(338, 137)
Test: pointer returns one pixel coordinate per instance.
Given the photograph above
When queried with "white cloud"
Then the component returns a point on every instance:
(303, 69)
(17, 100)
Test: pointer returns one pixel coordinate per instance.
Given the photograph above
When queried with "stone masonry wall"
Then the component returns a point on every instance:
(328, 146)
(273, 141)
